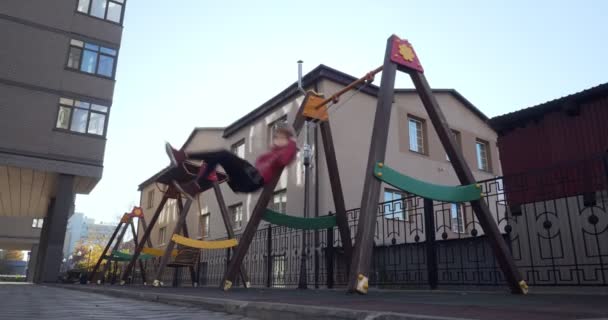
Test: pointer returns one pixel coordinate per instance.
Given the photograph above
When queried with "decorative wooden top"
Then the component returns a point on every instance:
(403, 54)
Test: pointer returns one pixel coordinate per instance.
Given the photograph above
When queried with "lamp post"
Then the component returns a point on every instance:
(307, 155)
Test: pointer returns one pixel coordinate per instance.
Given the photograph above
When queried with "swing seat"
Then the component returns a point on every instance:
(311, 101)
(455, 194)
(186, 257)
(299, 223)
(201, 244)
(123, 256)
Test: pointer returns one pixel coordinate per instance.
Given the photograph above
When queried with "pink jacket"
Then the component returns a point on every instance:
(271, 163)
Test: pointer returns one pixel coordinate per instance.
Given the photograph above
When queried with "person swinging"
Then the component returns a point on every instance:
(243, 177)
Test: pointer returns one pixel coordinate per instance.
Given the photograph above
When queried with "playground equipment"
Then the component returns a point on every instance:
(116, 256)
(401, 56)
(314, 108)
(188, 250)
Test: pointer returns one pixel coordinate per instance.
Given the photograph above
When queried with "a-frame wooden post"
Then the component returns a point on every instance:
(186, 234)
(142, 269)
(400, 55)
(336, 189)
(105, 251)
(145, 238)
(268, 191)
(256, 216)
(116, 246)
(171, 245)
(229, 228)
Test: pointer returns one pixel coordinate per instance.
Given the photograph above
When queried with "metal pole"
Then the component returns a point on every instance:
(306, 155)
(269, 256)
(300, 77)
(329, 257)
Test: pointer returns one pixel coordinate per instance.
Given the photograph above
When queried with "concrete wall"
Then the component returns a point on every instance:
(351, 128)
(17, 233)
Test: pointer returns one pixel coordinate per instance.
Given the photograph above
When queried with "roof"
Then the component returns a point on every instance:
(309, 80)
(523, 116)
(324, 72)
(197, 130)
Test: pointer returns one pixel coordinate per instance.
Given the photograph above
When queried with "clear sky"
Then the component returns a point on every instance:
(190, 63)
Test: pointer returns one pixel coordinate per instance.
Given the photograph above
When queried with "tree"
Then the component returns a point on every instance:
(15, 255)
(86, 254)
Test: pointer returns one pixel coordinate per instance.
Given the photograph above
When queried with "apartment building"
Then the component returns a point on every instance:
(413, 148)
(57, 76)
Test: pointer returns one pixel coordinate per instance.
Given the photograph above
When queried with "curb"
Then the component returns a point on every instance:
(257, 310)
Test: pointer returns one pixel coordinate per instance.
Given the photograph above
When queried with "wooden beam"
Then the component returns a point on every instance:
(361, 258)
(142, 269)
(109, 258)
(145, 238)
(105, 251)
(481, 209)
(431, 246)
(336, 189)
(171, 245)
(219, 196)
(256, 217)
(186, 234)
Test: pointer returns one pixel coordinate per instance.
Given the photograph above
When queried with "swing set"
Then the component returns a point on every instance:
(399, 56)
(315, 108)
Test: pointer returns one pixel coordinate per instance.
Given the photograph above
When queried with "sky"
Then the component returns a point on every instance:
(196, 63)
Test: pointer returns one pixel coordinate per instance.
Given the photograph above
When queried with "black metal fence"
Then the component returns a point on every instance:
(560, 240)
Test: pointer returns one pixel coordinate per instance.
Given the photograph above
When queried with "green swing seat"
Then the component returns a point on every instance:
(423, 189)
(122, 256)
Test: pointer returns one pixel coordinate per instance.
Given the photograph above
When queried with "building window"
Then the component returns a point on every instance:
(394, 204)
(417, 134)
(203, 225)
(111, 10)
(82, 117)
(92, 58)
(279, 201)
(457, 216)
(239, 149)
(483, 155)
(150, 198)
(37, 223)
(273, 126)
(236, 214)
(162, 233)
(458, 144)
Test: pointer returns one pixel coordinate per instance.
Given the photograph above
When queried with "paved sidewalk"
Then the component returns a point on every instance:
(335, 304)
(27, 301)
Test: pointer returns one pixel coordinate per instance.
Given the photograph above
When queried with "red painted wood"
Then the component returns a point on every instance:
(557, 156)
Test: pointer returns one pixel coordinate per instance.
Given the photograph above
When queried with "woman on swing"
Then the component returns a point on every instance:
(242, 176)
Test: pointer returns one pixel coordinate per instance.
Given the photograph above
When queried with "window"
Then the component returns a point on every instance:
(82, 117)
(162, 232)
(457, 216)
(457, 138)
(483, 156)
(394, 207)
(110, 10)
(150, 198)
(417, 134)
(239, 149)
(273, 126)
(203, 225)
(279, 201)
(92, 58)
(236, 213)
(37, 223)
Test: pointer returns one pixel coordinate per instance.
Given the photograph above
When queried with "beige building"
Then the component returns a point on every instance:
(413, 149)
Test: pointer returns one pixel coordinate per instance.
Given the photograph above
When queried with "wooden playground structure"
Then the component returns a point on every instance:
(399, 56)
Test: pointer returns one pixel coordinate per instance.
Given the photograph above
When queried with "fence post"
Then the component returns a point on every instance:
(269, 256)
(431, 248)
(329, 256)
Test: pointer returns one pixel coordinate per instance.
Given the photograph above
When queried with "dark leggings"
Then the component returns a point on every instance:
(243, 177)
